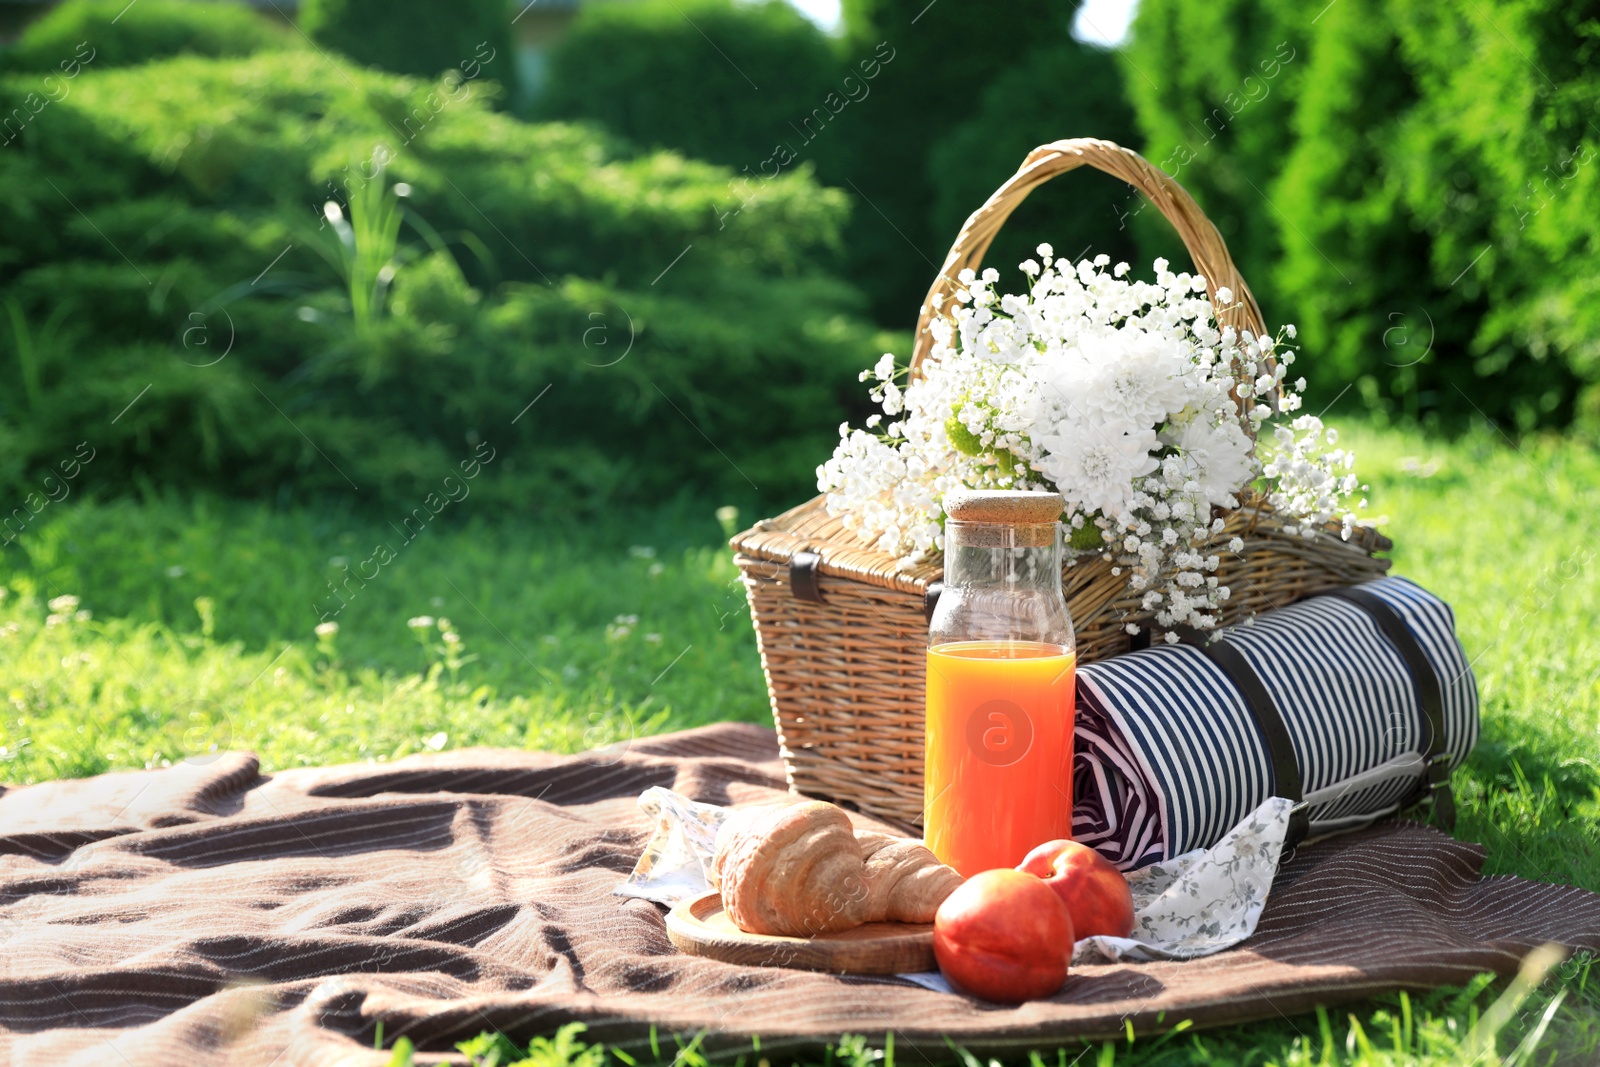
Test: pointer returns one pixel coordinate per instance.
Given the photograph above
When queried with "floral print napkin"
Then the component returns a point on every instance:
(1202, 901)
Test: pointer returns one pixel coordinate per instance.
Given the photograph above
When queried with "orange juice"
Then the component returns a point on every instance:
(998, 777)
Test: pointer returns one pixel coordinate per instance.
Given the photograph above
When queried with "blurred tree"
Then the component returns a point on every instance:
(948, 122)
(1413, 183)
(110, 33)
(715, 80)
(918, 114)
(418, 37)
(1066, 90)
(1499, 163)
(1354, 271)
(1214, 85)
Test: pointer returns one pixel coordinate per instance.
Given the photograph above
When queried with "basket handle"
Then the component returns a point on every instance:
(1200, 237)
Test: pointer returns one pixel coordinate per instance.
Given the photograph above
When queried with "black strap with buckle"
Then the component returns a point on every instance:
(1429, 693)
(1286, 780)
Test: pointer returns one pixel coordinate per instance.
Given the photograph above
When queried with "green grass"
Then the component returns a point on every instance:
(201, 635)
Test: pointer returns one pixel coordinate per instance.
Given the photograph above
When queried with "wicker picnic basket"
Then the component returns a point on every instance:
(842, 627)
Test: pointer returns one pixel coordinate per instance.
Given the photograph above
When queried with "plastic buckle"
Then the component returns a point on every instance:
(1439, 791)
(1298, 830)
(1439, 771)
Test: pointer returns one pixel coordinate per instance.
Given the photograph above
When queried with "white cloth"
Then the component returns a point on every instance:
(1191, 905)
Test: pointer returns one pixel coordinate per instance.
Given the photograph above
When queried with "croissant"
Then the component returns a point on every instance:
(802, 870)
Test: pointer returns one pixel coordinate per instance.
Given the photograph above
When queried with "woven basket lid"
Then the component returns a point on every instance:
(1011, 507)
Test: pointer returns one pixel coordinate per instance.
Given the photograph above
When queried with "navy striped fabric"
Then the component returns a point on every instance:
(1169, 759)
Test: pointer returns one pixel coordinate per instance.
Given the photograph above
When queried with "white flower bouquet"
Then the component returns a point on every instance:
(1126, 397)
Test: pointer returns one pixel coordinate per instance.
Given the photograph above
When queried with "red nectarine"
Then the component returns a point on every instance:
(1094, 891)
(1003, 935)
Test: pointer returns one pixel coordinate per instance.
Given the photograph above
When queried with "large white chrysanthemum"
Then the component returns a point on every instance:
(1094, 462)
(1126, 374)
(1222, 454)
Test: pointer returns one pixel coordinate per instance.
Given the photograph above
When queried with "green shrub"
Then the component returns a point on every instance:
(118, 34)
(1500, 166)
(418, 37)
(957, 76)
(1445, 258)
(182, 299)
(678, 74)
(1217, 118)
(1416, 189)
(1354, 266)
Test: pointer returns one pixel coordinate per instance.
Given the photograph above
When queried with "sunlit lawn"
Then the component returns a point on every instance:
(201, 634)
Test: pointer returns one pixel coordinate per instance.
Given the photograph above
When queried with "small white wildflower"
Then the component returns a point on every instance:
(327, 629)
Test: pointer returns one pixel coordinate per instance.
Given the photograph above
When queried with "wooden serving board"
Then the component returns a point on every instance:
(700, 927)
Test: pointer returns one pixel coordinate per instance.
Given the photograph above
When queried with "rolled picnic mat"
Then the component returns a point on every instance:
(1355, 703)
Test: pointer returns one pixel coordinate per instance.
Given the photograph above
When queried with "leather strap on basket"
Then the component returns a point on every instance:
(803, 576)
(1286, 781)
(1430, 697)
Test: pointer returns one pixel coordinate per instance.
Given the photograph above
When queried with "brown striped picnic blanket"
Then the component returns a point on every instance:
(211, 913)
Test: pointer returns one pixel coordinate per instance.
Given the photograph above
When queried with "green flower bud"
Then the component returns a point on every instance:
(962, 439)
(1087, 538)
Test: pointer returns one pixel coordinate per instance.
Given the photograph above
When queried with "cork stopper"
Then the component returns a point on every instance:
(1009, 507)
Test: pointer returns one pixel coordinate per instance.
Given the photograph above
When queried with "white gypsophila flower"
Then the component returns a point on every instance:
(1117, 393)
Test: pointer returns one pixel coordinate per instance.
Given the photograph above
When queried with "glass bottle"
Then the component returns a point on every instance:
(1001, 657)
